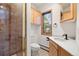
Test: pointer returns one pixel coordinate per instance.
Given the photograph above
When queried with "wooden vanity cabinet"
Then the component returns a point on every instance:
(53, 48)
(56, 50)
(63, 52)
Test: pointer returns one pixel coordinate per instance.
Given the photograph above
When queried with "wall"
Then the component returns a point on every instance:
(69, 28)
(77, 25)
(20, 14)
(35, 31)
(58, 31)
(55, 19)
(28, 28)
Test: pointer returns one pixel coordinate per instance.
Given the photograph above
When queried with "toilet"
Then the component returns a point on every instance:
(35, 49)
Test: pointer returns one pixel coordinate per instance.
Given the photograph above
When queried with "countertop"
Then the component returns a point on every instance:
(69, 45)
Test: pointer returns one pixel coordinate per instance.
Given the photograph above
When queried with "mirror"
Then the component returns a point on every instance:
(65, 7)
(68, 11)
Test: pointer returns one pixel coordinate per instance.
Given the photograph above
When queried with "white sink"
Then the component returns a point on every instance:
(61, 39)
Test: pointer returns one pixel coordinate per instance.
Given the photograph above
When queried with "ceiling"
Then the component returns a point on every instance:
(41, 5)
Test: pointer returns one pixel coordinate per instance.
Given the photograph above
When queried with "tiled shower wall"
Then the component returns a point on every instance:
(12, 43)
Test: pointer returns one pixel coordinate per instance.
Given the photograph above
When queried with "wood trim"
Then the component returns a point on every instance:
(75, 11)
(24, 43)
(25, 29)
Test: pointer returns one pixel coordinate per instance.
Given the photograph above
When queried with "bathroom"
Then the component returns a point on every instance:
(39, 29)
(58, 27)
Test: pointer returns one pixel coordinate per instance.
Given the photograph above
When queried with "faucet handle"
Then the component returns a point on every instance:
(65, 36)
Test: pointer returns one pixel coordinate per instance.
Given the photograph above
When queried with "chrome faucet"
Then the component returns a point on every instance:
(66, 37)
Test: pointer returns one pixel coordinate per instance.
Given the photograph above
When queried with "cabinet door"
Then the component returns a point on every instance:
(52, 49)
(35, 16)
(63, 52)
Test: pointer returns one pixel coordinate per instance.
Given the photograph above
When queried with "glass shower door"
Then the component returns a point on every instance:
(10, 29)
(4, 30)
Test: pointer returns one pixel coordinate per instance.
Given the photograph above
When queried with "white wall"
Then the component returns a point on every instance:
(56, 19)
(28, 26)
(35, 31)
(69, 28)
(55, 8)
(77, 25)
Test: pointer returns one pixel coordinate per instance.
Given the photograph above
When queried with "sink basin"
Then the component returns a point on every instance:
(59, 38)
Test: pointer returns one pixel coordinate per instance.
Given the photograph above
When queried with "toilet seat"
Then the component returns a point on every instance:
(35, 46)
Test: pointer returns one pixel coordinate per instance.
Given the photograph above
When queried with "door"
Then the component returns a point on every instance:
(4, 30)
(10, 29)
